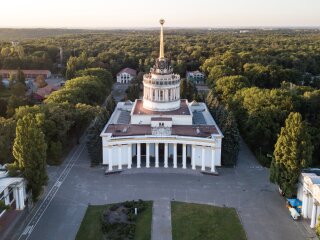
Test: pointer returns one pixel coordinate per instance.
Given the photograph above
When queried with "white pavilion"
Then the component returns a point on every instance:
(161, 130)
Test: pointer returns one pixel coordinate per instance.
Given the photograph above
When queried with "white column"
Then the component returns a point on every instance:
(166, 155)
(148, 155)
(203, 159)
(110, 157)
(16, 197)
(157, 154)
(213, 166)
(193, 157)
(314, 214)
(175, 155)
(129, 155)
(21, 198)
(119, 158)
(304, 204)
(6, 197)
(184, 156)
(138, 155)
(318, 213)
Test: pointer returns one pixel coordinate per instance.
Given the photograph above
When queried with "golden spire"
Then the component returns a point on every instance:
(161, 40)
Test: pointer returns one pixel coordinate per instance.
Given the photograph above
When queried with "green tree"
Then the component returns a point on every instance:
(260, 114)
(217, 72)
(293, 152)
(228, 126)
(71, 67)
(110, 103)
(226, 87)
(102, 74)
(94, 144)
(12, 80)
(20, 77)
(184, 89)
(13, 103)
(7, 135)
(29, 150)
(18, 90)
(3, 107)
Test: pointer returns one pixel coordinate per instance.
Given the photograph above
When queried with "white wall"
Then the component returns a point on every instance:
(176, 119)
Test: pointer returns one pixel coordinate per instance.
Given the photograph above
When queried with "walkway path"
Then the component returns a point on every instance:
(161, 220)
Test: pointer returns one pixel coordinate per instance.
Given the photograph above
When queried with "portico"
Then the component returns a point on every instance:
(148, 153)
(13, 190)
(310, 197)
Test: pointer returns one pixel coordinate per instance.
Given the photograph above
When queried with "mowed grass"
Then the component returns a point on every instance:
(197, 221)
(143, 224)
(90, 228)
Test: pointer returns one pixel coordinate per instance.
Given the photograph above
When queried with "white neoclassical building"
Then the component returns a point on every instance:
(126, 75)
(309, 194)
(161, 130)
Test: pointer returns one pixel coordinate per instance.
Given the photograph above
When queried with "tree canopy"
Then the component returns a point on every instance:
(293, 152)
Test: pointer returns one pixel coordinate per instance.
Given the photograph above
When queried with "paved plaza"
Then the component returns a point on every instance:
(74, 185)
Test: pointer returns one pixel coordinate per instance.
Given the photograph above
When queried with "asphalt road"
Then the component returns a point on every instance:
(246, 187)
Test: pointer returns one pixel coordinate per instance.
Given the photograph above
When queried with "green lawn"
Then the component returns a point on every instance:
(90, 228)
(143, 227)
(196, 221)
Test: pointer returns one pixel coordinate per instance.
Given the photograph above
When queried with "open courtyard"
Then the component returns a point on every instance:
(74, 185)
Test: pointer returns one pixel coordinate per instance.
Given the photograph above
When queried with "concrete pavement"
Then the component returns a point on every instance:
(246, 188)
(161, 220)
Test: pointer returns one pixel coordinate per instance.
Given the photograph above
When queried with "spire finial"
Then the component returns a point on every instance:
(161, 40)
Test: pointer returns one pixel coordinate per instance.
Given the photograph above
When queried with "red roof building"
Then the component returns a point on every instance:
(126, 75)
(5, 73)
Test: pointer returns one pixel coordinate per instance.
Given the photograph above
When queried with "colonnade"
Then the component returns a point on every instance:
(163, 94)
(19, 195)
(120, 161)
(308, 202)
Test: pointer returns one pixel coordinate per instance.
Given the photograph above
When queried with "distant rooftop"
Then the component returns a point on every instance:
(129, 71)
(14, 71)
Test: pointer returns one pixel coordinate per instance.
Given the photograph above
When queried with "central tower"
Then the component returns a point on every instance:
(161, 86)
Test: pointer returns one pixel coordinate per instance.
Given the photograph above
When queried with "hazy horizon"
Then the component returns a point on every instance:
(125, 14)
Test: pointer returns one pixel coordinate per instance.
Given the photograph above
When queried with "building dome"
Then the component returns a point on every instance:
(161, 85)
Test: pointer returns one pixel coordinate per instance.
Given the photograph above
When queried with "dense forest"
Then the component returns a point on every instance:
(259, 77)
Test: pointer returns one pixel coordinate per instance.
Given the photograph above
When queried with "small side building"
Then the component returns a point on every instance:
(309, 194)
(12, 192)
(196, 77)
(126, 75)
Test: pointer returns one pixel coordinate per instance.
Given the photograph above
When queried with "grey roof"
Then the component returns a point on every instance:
(198, 118)
(124, 117)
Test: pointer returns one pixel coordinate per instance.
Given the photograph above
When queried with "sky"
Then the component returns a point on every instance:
(146, 13)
